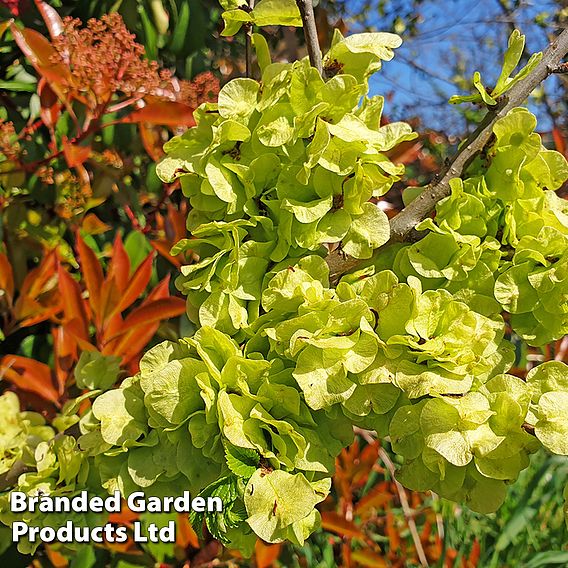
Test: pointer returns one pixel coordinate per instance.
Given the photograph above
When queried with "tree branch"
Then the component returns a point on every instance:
(403, 224)
(306, 8)
(248, 44)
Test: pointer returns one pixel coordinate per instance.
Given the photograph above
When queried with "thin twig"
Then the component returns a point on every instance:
(385, 458)
(248, 43)
(306, 8)
(403, 224)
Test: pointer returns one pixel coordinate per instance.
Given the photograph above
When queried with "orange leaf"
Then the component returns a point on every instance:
(131, 345)
(36, 312)
(50, 107)
(74, 329)
(185, 535)
(41, 54)
(39, 295)
(474, 554)
(51, 18)
(75, 155)
(137, 284)
(559, 140)
(162, 290)
(65, 349)
(6, 278)
(266, 554)
(115, 283)
(73, 303)
(141, 324)
(29, 375)
(40, 278)
(125, 517)
(377, 498)
(332, 521)
(151, 136)
(119, 268)
(92, 225)
(157, 310)
(163, 112)
(163, 247)
(367, 557)
(152, 312)
(92, 272)
(56, 559)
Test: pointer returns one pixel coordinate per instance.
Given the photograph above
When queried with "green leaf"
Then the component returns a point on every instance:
(368, 232)
(278, 500)
(234, 20)
(277, 13)
(262, 51)
(237, 99)
(96, 371)
(243, 462)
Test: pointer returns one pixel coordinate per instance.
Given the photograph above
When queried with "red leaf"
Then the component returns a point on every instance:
(56, 559)
(38, 279)
(140, 326)
(136, 285)
(73, 304)
(559, 140)
(110, 296)
(162, 290)
(40, 52)
(29, 375)
(6, 278)
(74, 329)
(266, 554)
(376, 498)
(131, 345)
(163, 112)
(185, 535)
(92, 273)
(119, 268)
(75, 155)
(332, 521)
(474, 554)
(39, 295)
(154, 311)
(50, 106)
(51, 18)
(65, 349)
(163, 247)
(152, 141)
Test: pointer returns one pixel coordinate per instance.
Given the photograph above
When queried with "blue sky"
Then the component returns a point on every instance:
(471, 33)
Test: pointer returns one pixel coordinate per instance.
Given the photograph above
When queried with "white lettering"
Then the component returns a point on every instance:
(18, 502)
(136, 502)
(112, 503)
(47, 534)
(137, 536)
(198, 504)
(19, 529)
(214, 504)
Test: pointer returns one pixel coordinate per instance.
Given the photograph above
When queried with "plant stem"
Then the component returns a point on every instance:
(248, 44)
(408, 513)
(402, 225)
(311, 33)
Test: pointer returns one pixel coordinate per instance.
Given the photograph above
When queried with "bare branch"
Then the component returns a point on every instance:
(311, 33)
(403, 224)
(407, 510)
(248, 44)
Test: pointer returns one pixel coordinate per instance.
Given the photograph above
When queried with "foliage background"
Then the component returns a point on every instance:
(92, 211)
